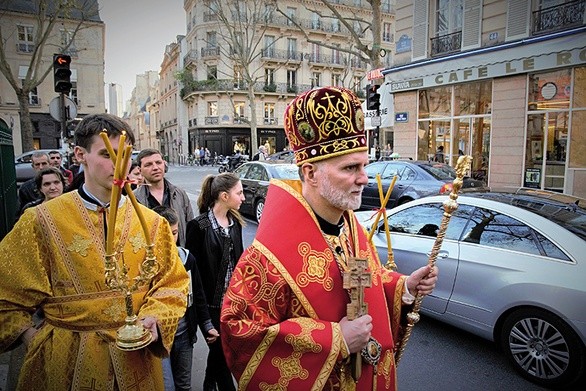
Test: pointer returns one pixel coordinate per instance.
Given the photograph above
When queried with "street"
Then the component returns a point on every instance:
(437, 355)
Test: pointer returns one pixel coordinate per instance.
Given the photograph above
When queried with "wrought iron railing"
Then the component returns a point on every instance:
(210, 51)
(559, 17)
(446, 44)
(190, 57)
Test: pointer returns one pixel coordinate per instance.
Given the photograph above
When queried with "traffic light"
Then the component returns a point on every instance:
(372, 97)
(62, 73)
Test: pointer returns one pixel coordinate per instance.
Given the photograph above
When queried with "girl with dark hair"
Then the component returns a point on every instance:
(215, 238)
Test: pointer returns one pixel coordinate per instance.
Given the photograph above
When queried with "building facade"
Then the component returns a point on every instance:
(137, 114)
(218, 107)
(19, 27)
(501, 80)
(115, 100)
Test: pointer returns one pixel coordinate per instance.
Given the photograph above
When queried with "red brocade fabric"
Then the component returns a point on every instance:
(280, 315)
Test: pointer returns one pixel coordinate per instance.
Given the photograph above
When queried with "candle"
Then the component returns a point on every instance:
(127, 154)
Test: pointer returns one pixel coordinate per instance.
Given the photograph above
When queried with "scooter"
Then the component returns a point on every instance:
(231, 163)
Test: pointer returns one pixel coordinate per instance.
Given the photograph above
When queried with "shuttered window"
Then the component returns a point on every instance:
(471, 27)
(518, 13)
(420, 29)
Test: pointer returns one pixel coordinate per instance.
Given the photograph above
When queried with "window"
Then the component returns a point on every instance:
(212, 72)
(316, 80)
(211, 39)
(33, 96)
(448, 17)
(292, 48)
(387, 32)
(291, 12)
(67, 39)
(269, 76)
(25, 42)
(238, 78)
(269, 49)
(357, 28)
(336, 55)
(238, 109)
(291, 78)
(315, 21)
(269, 113)
(213, 109)
(494, 229)
(73, 92)
(336, 80)
(424, 220)
(336, 25)
(315, 52)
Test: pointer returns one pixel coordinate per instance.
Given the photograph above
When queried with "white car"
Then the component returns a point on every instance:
(512, 269)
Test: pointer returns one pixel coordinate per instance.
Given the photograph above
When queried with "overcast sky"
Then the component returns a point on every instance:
(137, 32)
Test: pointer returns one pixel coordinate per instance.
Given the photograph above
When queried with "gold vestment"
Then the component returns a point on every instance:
(53, 260)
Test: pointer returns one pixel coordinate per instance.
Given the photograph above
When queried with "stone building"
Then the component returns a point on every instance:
(501, 80)
(18, 20)
(219, 110)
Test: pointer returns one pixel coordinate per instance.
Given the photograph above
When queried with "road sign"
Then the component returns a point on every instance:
(70, 109)
(375, 121)
(402, 117)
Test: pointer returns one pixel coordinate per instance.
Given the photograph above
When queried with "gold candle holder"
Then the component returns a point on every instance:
(133, 335)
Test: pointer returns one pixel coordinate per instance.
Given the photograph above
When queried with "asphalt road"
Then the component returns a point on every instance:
(438, 356)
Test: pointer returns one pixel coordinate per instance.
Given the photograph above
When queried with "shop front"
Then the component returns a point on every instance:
(520, 112)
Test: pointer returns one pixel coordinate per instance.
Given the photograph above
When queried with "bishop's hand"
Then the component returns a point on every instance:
(356, 332)
(422, 280)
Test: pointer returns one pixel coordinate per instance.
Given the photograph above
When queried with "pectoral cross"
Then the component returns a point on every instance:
(355, 280)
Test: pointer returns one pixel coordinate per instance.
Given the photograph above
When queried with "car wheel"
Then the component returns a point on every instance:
(221, 169)
(543, 348)
(258, 208)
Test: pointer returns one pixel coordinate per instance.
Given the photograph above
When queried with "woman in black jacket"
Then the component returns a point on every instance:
(215, 238)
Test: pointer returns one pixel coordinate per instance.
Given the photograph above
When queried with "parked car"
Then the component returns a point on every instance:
(415, 179)
(255, 177)
(281, 157)
(511, 269)
(23, 165)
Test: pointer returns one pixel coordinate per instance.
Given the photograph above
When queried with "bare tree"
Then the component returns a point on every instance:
(48, 15)
(242, 28)
(356, 26)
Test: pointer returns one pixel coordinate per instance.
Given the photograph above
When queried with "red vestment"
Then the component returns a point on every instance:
(279, 322)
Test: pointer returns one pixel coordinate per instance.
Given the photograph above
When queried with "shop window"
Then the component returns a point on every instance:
(550, 91)
(435, 102)
(473, 98)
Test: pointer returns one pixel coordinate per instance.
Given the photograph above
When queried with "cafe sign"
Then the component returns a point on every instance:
(489, 71)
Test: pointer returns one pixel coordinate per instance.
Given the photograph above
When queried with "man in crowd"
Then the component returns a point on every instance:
(159, 191)
(55, 159)
(28, 190)
(286, 305)
(53, 264)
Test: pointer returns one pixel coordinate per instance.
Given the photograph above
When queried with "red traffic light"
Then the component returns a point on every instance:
(62, 59)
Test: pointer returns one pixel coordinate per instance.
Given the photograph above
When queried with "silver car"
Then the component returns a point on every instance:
(512, 269)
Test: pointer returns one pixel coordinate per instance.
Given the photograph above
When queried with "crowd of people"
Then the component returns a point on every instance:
(259, 308)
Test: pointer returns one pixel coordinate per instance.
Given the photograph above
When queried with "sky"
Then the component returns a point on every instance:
(137, 32)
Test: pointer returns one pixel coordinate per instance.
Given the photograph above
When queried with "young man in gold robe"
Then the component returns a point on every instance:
(53, 264)
(284, 323)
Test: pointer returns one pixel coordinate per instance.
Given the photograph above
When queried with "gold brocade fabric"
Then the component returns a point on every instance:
(53, 259)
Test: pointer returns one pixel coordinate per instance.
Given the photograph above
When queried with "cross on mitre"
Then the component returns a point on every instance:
(355, 279)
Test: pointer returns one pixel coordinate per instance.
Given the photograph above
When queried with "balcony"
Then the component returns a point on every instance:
(212, 120)
(270, 121)
(325, 60)
(210, 16)
(25, 47)
(446, 44)
(190, 58)
(210, 52)
(281, 55)
(240, 120)
(559, 17)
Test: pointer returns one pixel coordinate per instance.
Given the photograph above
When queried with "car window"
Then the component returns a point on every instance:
(373, 169)
(491, 228)
(391, 170)
(241, 171)
(257, 173)
(550, 249)
(408, 174)
(286, 171)
(439, 171)
(424, 220)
